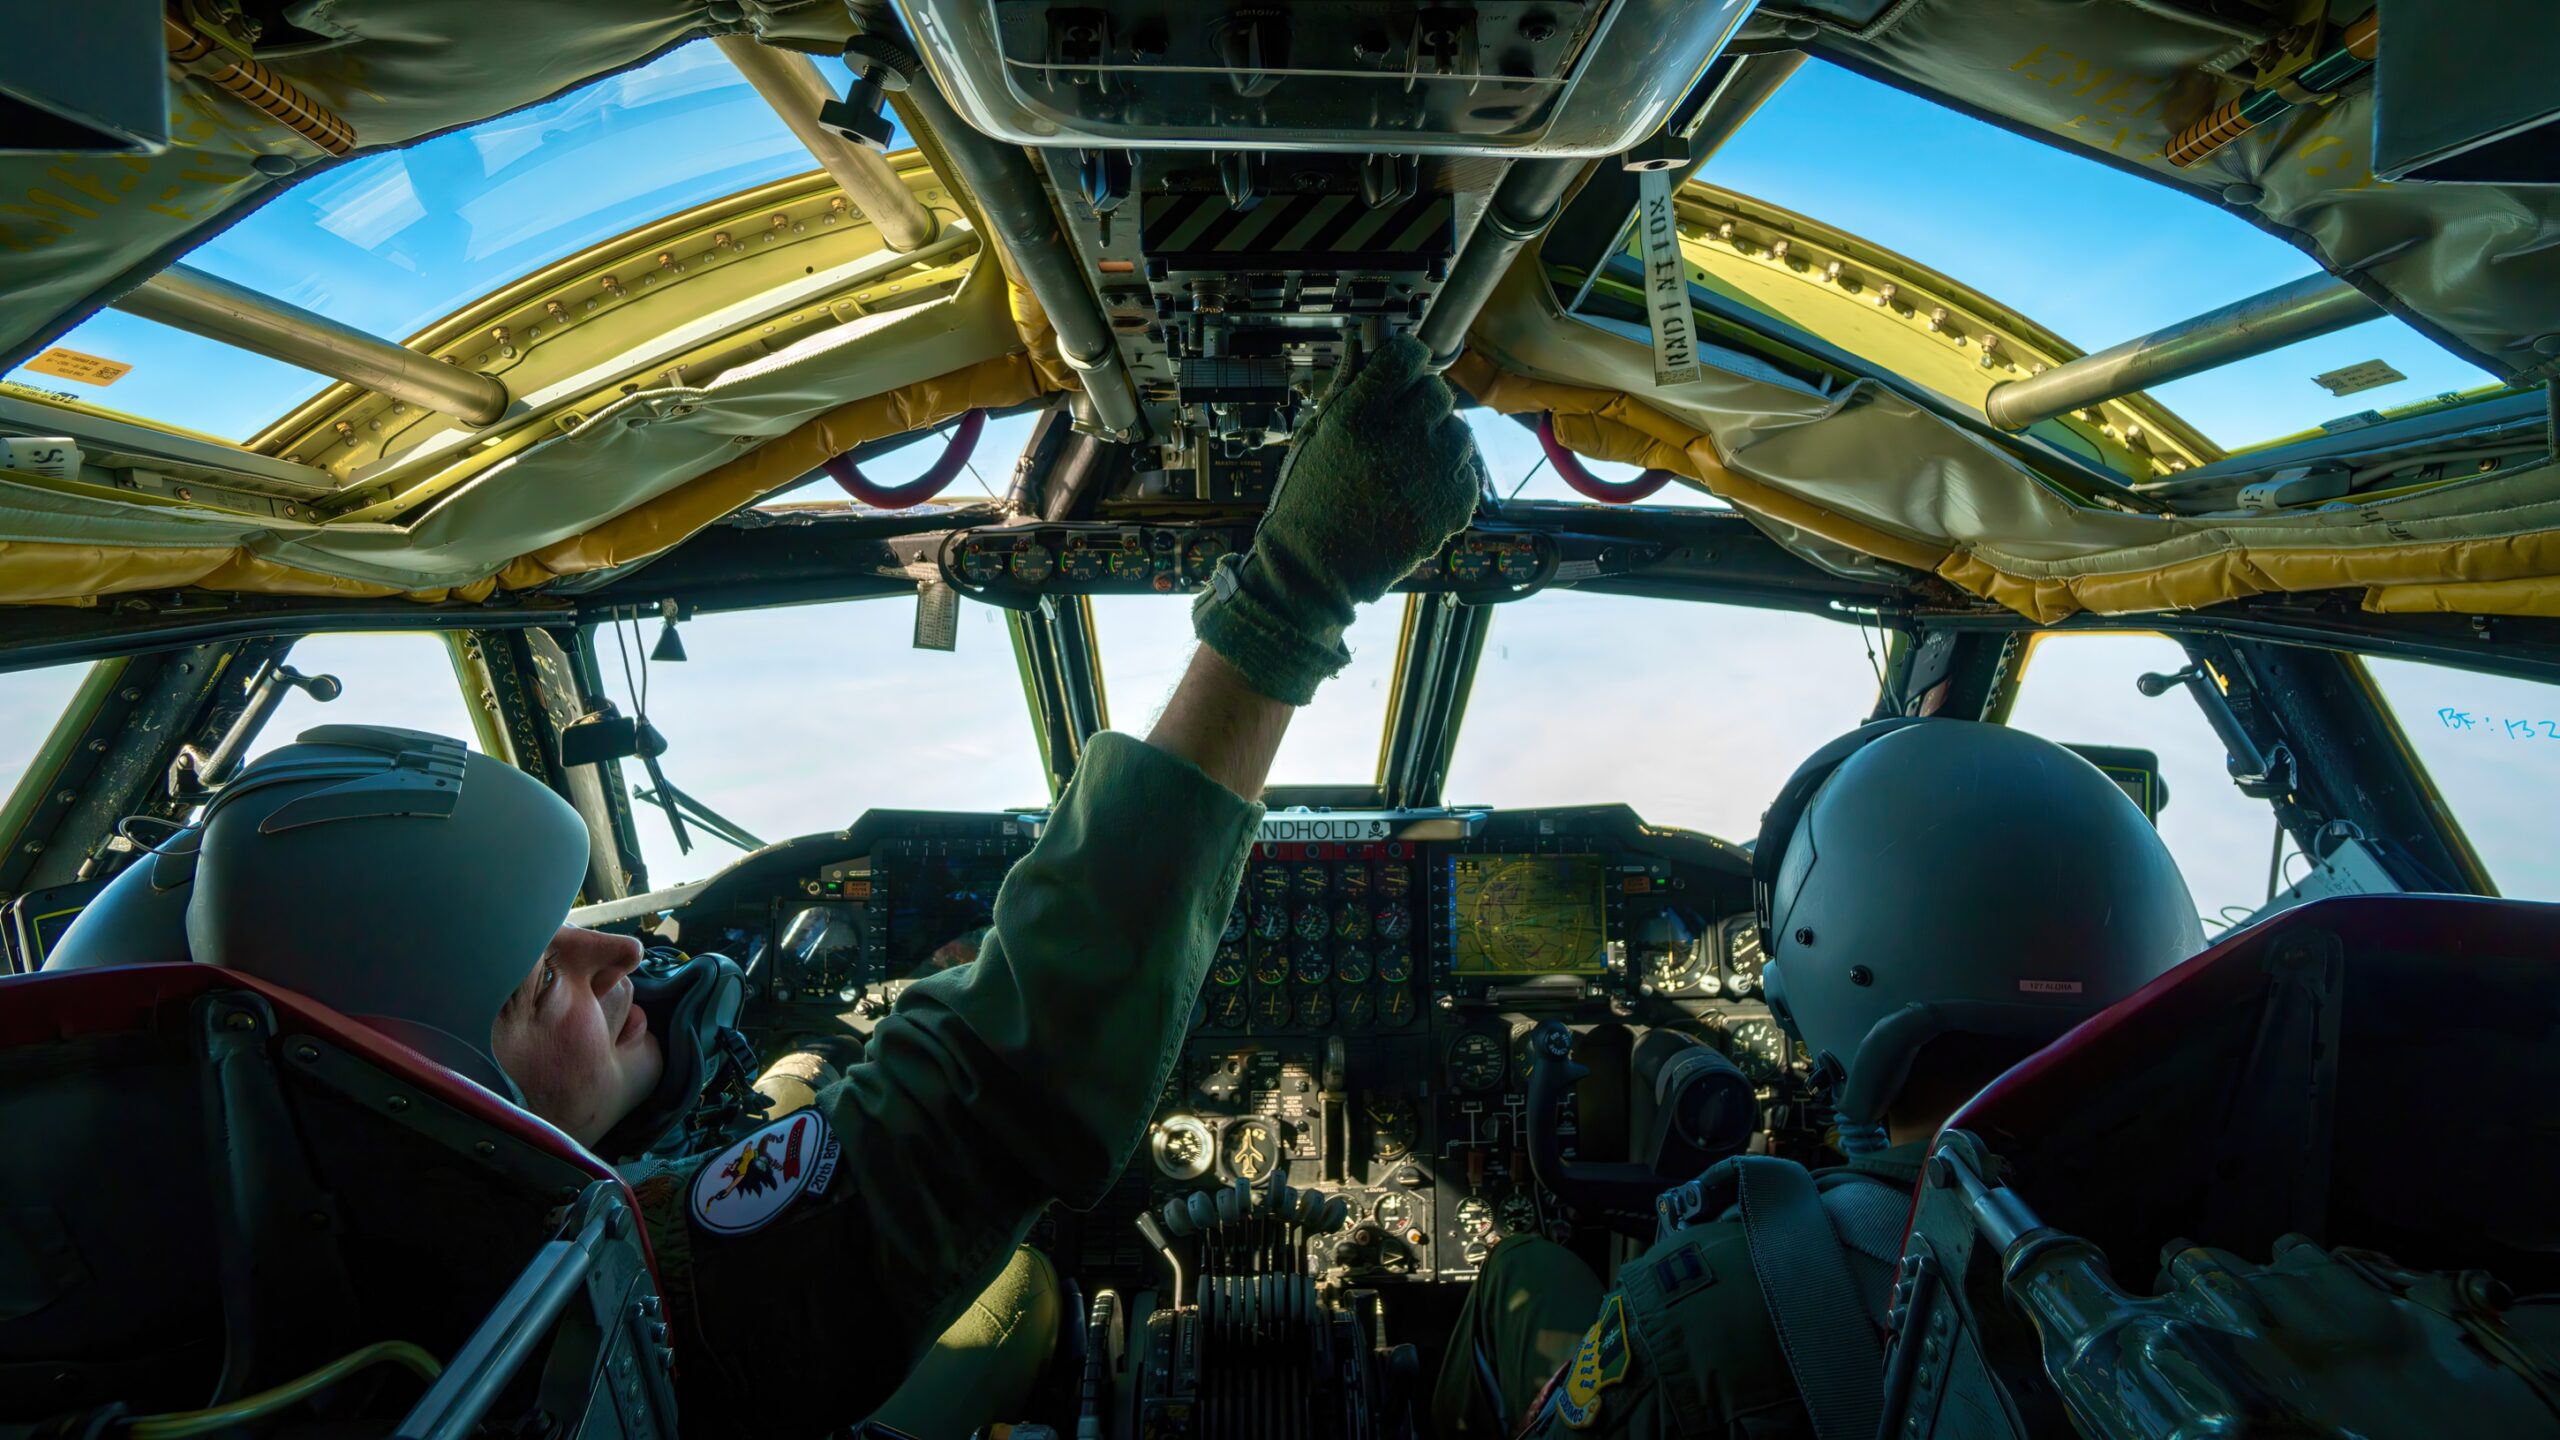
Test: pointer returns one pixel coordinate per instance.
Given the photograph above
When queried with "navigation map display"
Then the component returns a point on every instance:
(1526, 915)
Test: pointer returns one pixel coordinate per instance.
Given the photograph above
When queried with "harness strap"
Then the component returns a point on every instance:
(1815, 1303)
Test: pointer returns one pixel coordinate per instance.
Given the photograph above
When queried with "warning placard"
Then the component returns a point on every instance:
(1666, 282)
(72, 365)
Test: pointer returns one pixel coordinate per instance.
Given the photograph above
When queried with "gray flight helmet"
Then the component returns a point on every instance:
(394, 877)
(1920, 878)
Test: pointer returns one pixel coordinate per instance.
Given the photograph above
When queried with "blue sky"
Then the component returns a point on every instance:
(797, 720)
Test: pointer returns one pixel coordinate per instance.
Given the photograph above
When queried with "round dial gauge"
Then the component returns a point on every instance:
(1519, 1214)
(1226, 1009)
(1228, 967)
(1743, 957)
(980, 564)
(1315, 1008)
(1270, 882)
(1391, 1128)
(1312, 881)
(1394, 921)
(1394, 966)
(1680, 966)
(1469, 563)
(1271, 966)
(1351, 965)
(1031, 562)
(1517, 562)
(1359, 1008)
(1476, 1061)
(1759, 1049)
(1395, 1213)
(1202, 556)
(1353, 879)
(1239, 920)
(1181, 1147)
(1271, 1010)
(1313, 966)
(1080, 562)
(1252, 1149)
(1311, 921)
(1475, 1215)
(1395, 1007)
(1351, 920)
(1271, 919)
(1394, 880)
(1131, 565)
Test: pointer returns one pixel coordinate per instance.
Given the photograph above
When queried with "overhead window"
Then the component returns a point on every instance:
(392, 241)
(2088, 251)
(30, 702)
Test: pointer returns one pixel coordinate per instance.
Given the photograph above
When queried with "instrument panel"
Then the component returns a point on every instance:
(1363, 1026)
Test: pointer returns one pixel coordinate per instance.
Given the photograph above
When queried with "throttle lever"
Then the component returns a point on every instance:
(1618, 1194)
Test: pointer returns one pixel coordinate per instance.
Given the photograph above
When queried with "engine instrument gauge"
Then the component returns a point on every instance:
(1517, 562)
(1476, 1232)
(1394, 966)
(1396, 1006)
(1315, 1008)
(1395, 920)
(1351, 965)
(1312, 921)
(1271, 1009)
(1394, 1214)
(1312, 966)
(1226, 1009)
(1519, 1213)
(1476, 1062)
(1270, 883)
(1352, 880)
(1359, 1008)
(1080, 562)
(1227, 967)
(1131, 565)
(1271, 965)
(1202, 556)
(1469, 563)
(1031, 562)
(1238, 921)
(1351, 920)
(1394, 880)
(1759, 1049)
(1312, 882)
(1252, 1149)
(1182, 1147)
(980, 564)
(1271, 919)
(1743, 957)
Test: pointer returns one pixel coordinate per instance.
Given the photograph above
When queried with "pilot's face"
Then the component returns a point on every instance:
(572, 1040)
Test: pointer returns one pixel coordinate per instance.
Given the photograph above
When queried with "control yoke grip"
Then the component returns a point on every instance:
(1618, 1194)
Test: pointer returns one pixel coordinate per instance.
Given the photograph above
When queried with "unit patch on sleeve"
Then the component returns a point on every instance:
(1601, 1363)
(745, 1186)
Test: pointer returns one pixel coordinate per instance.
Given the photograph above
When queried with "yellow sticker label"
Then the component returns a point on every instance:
(1601, 1363)
(72, 365)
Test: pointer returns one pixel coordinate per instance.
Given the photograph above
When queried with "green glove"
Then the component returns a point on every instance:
(1384, 473)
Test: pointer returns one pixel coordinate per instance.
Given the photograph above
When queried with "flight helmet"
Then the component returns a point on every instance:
(391, 875)
(1920, 878)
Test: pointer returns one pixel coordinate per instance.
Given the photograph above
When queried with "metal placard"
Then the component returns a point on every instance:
(1666, 282)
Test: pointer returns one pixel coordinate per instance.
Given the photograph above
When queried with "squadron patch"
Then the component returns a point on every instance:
(1601, 1363)
(747, 1185)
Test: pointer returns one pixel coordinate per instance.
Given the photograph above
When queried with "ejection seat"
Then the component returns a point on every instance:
(2331, 1139)
(215, 1188)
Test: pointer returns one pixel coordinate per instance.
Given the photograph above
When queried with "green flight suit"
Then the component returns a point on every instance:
(1683, 1347)
(988, 1091)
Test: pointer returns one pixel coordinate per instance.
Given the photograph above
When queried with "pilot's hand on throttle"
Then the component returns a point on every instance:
(1374, 484)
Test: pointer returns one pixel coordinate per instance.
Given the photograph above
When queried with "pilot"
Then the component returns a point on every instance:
(1939, 899)
(810, 1261)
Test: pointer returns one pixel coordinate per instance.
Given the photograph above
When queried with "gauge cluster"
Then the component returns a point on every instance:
(1013, 563)
(1362, 1026)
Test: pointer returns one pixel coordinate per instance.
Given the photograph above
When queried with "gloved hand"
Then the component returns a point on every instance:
(1384, 473)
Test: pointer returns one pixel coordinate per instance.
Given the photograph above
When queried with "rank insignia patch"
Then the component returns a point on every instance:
(747, 1185)
(1601, 1363)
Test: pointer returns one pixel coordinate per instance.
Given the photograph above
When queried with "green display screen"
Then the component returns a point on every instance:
(1527, 915)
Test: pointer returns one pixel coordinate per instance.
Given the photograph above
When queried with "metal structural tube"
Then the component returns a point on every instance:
(2312, 305)
(1017, 210)
(1523, 206)
(790, 83)
(207, 305)
(1747, 86)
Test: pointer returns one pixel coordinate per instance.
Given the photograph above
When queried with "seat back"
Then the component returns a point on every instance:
(2372, 1071)
(215, 1185)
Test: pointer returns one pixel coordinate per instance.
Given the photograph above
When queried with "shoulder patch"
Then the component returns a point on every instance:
(746, 1186)
(1601, 1363)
